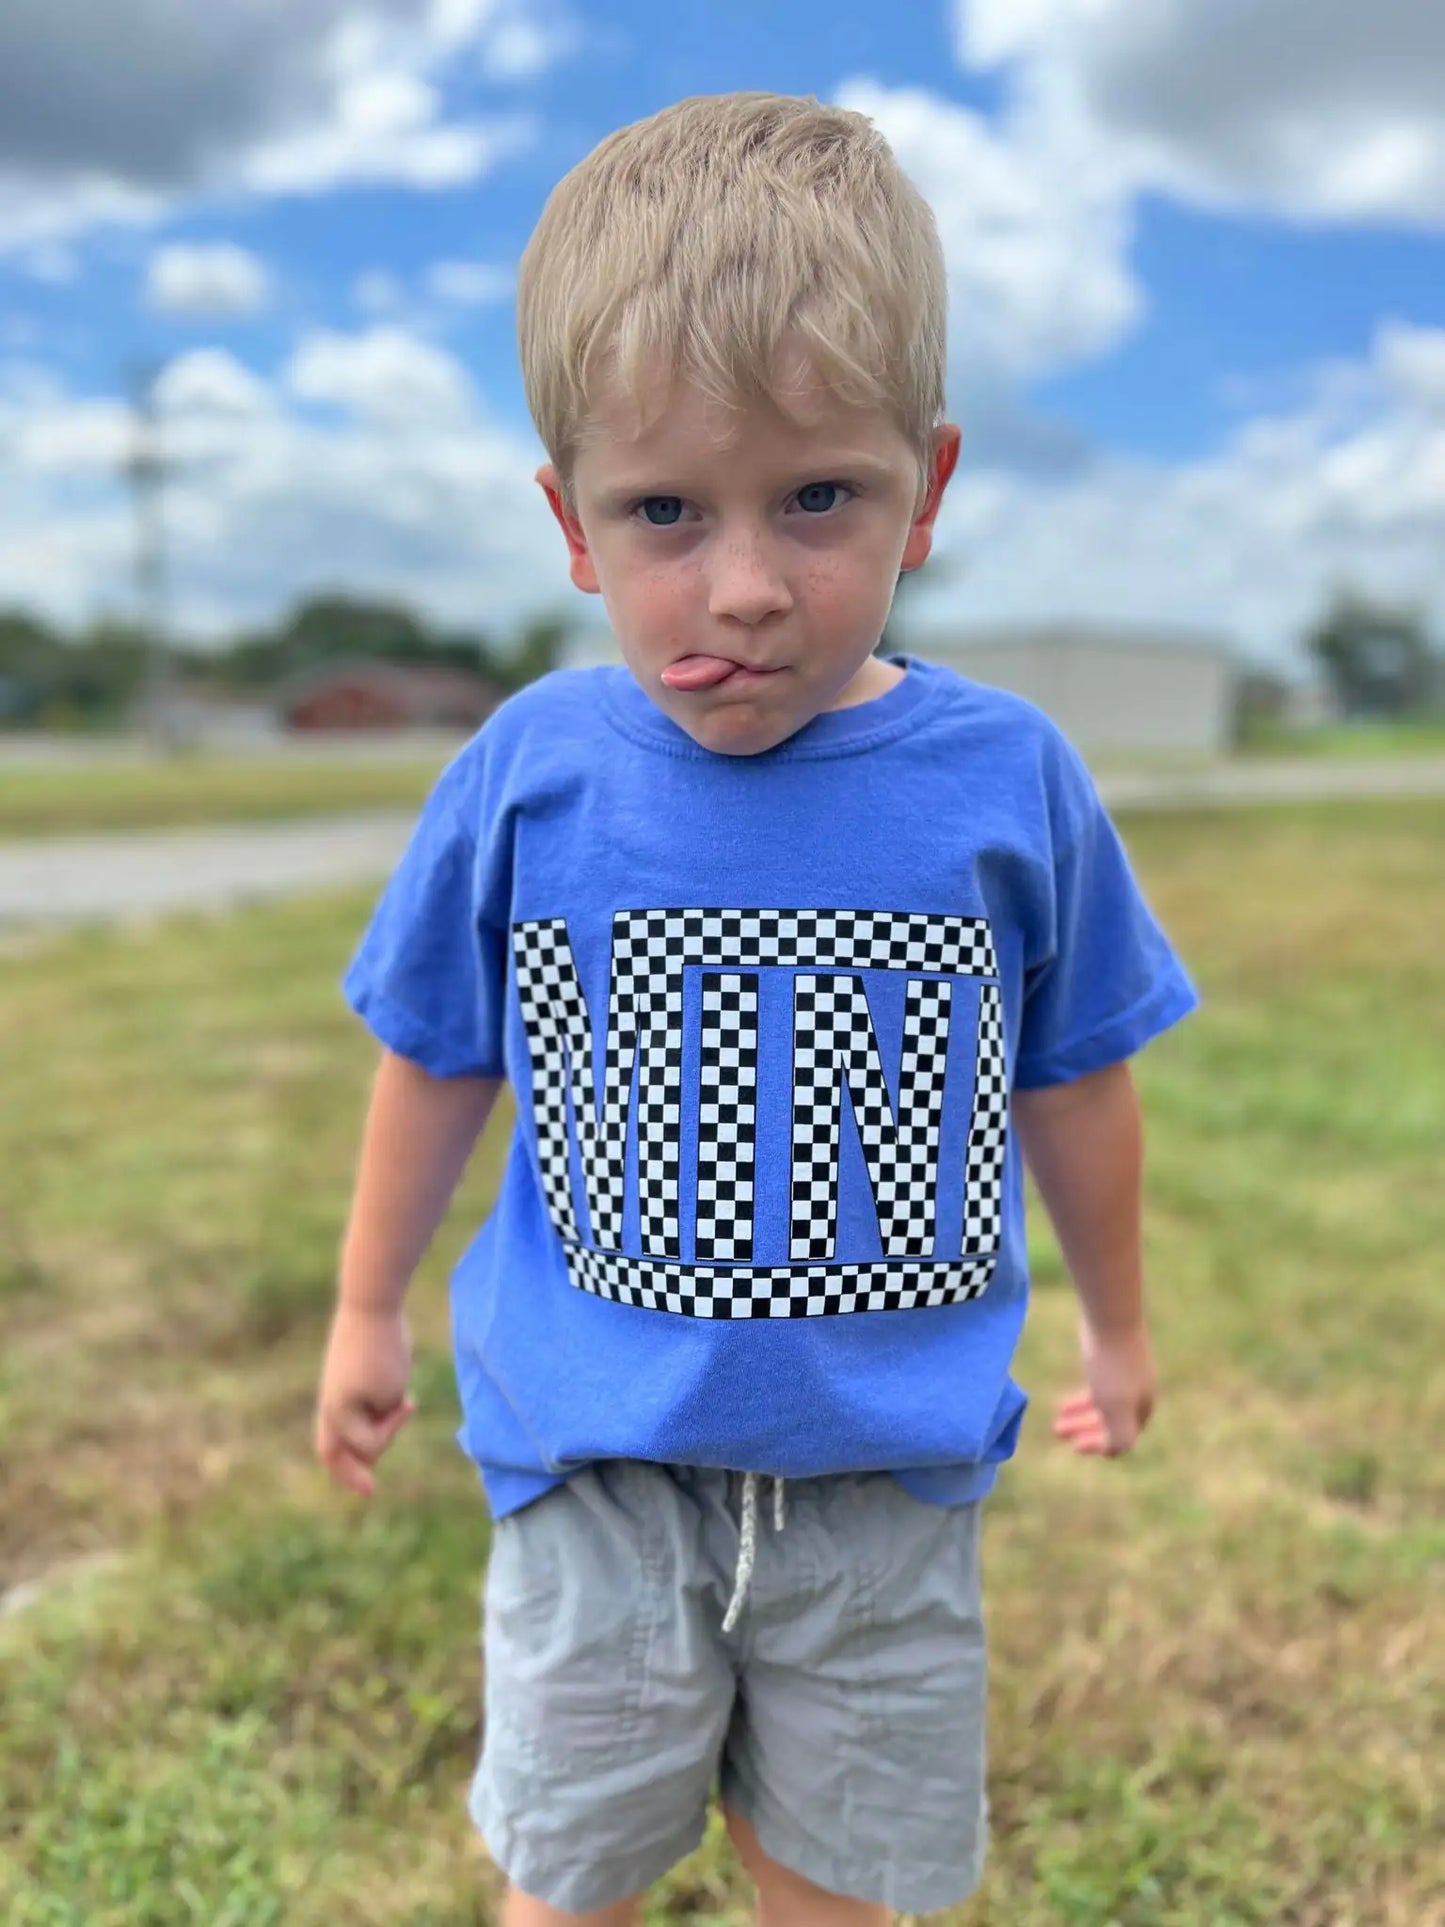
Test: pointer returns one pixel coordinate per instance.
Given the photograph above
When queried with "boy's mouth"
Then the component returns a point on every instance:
(707, 672)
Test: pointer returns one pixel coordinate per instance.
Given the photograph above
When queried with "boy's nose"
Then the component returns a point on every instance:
(744, 584)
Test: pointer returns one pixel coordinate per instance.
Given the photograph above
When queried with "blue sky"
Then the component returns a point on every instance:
(1195, 256)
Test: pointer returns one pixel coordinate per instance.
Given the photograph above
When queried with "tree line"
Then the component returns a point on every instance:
(1377, 659)
(95, 674)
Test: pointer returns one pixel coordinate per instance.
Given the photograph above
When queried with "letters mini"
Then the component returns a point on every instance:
(833, 1042)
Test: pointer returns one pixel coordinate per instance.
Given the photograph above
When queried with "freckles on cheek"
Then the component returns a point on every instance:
(836, 594)
(662, 597)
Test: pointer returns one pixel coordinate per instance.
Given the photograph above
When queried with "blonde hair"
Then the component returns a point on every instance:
(701, 237)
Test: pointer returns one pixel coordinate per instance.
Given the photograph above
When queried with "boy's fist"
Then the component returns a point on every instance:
(362, 1402)
(1108, 1417)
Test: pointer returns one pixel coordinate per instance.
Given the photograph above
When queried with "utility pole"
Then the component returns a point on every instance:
(145, 471)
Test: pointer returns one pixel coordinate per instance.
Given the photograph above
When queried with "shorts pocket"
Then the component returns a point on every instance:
(571, 1613)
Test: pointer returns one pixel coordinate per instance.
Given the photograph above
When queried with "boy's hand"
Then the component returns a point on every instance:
(1106, 1419)
(362, 1403)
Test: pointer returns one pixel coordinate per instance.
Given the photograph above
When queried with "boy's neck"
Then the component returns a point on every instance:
(873, 680)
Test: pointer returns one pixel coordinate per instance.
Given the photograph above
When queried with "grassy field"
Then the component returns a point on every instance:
(195, 789)
(244, 1698)
(1415, 736)
(202, 788)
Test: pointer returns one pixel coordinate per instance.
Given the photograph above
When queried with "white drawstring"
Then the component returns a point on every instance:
(748, 1542)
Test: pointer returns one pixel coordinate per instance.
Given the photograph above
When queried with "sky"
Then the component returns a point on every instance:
(1195, 249)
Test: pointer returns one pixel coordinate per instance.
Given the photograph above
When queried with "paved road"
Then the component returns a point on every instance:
(144, 874)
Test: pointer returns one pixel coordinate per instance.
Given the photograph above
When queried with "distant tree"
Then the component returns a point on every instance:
(537, 650)
(325, 627)
(30, 649)
(1261, 701)
(87, 677)
(1377, 658)
(464, 651)
(255, 660)
(931, 574)
(96, 675)
(335, 627)
(111, 659)
(29, 655)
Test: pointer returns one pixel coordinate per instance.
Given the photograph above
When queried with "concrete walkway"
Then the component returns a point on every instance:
(138, 875)
(144, 873)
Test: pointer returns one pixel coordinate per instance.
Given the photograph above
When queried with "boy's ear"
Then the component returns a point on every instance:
(584, 575)
(946, 439)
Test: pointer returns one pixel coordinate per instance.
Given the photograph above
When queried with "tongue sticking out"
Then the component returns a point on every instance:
(698, 672)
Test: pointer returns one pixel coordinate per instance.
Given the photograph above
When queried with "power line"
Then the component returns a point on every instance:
(146, 471)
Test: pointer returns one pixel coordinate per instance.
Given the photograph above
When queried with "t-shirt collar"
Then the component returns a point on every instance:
(835, 732)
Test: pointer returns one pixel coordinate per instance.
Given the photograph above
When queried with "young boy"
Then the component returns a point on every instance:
(682, 906)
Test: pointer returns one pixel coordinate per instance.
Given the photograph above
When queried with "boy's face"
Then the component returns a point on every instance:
(748, 558)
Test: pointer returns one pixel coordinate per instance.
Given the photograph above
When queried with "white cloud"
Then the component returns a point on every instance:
(377, 292)
(1317, 110)
(469, 284)
(210, 382)
(1412, 360)
(1300, 108)
(383, 128)
(106, 122)
(408, 490)
(78, 437)
(514, 40)
(36, 214)
(217, 280)
(1035, 225)
(1248, 542)
(521, 48)
(386, 376)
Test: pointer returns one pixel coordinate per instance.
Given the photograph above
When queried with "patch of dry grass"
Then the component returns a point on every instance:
(78, 801)
(1217, 1682)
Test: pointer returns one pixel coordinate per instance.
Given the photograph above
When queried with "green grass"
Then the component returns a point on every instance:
(1413, 736)
(1217, 1677)
(200, 789)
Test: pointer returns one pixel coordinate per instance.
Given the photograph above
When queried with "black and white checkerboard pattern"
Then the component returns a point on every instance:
(988, 1130)
(560, 1040)
(834, 1043)
(776, 1291)
(650, 944)
(651, 950)
(727, 1116)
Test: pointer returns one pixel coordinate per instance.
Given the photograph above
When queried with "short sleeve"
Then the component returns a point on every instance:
(1107, 979)
(429, 977)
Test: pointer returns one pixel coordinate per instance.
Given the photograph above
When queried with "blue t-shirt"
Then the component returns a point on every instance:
(762, 1015)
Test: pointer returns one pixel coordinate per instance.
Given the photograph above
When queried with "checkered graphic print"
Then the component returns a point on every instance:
(651, 950)
(641, 1020)
(647, 944)
(727, 1116)
(776, 1291)
(560, 1039)
(988, 1131)
(834, 1042)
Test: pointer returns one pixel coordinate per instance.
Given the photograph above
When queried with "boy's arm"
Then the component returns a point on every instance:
(1083, 1142)
(419, 1132)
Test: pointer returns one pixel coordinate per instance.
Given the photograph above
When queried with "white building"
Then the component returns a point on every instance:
(1111, 691)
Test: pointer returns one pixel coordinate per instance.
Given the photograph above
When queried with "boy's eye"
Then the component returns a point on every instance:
(661, 510)
(816, 498)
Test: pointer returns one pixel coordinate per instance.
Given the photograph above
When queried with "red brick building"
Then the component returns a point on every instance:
(387, 695)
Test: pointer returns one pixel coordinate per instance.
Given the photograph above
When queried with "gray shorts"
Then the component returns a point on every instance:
(843, 1717)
